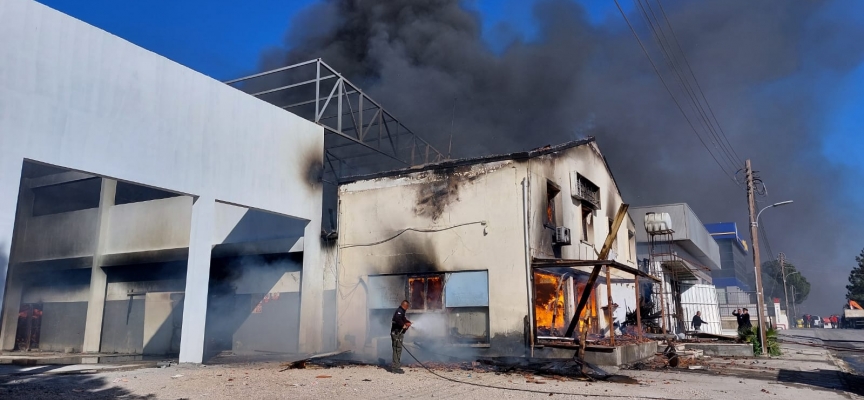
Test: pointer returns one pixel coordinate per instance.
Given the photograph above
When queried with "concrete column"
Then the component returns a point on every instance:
(312, 290)
(10, 198)
(197, 280)
(98, 277)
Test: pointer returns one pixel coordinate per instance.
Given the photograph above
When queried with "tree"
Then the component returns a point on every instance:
(855, 288)
(772, 282)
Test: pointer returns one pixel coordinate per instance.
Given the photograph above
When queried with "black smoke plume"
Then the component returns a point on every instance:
(768, 69)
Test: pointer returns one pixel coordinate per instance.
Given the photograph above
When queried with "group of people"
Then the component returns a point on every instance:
(831, 322)
(743, 317)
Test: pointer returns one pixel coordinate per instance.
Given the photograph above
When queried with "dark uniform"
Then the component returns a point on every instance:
(697, 322)
(397, 332)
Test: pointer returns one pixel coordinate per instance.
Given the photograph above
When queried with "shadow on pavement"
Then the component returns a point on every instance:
(832, 380)
(77, 386)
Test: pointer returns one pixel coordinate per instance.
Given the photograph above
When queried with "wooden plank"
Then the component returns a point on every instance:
(604, 252)
(609, 317)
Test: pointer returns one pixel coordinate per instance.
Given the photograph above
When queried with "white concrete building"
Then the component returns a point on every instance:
(129, 174)
(469, 242)
(684, 257)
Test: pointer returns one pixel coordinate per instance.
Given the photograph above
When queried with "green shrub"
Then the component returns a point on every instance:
(752, 336)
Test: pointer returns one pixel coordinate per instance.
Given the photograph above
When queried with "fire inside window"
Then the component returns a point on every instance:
(426, 292)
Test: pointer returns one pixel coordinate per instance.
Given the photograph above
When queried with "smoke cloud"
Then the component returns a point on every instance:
(768, 69)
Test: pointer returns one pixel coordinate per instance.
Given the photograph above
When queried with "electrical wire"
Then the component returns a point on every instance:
(348, 246)
(674, 99)
(524, 390)
(698, 87)
(672, 62)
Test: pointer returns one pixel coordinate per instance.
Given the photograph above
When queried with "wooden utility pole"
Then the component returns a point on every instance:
(754, 237)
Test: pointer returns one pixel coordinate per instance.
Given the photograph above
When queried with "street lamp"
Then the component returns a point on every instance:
(782, 203)
(754, 225)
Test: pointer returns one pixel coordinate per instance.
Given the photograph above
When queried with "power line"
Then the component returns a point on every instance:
(672, 62)
(669, 54)
(699, 87)
(674, 99)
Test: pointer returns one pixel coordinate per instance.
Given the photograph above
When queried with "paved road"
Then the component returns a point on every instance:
(846, 344)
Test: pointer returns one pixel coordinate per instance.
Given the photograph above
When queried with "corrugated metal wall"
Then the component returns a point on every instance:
(701, 298)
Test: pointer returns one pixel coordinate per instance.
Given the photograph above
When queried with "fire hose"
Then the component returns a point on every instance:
(520, 389)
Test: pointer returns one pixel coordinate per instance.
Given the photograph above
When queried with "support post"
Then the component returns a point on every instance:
(638, 308)
(754, 237)
(583, 300)
(609, 317)
(197, 281)
(663, 300)
(785, 290)
(98, 277)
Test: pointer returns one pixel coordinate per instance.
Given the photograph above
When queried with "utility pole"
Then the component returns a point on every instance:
(754, 237)
(795, 306)
(785, 290)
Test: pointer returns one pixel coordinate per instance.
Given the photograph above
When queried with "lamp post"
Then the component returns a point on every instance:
(782, 271)
(754, 226)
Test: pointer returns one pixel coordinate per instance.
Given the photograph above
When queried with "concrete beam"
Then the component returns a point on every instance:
(56, 179)
(98, 277)
(197, 280)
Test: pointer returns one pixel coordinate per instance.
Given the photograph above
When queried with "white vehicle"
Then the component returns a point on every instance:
(817, 322)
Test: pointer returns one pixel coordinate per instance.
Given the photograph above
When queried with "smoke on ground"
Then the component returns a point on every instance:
(768, 69)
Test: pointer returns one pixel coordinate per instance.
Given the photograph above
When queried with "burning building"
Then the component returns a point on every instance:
(146, 208)
(494, 253)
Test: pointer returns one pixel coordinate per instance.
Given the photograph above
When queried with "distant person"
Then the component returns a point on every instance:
(843, 322)
(807, 321)
(835, 322)
(399, 325)
(697, 321)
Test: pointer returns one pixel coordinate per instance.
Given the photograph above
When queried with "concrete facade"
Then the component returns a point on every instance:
(477, 224)
(82, 101)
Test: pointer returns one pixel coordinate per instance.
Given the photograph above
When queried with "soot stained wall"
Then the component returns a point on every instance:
(123, 326)
(276, 328)
(62, 326)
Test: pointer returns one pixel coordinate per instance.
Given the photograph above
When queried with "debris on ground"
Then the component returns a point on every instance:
(301, 364)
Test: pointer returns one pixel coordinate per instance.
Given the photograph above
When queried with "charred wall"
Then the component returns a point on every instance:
(254, 304)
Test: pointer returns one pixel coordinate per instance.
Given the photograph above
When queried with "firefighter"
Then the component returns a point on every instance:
(399, 325)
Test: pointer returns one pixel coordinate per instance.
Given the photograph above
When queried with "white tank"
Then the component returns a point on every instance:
(657, 222)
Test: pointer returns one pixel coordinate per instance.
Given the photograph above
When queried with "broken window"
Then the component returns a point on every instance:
(587, 228)
(426, 292)
(549, 304)
(552, 191)
(587, 191)
(631, 245)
